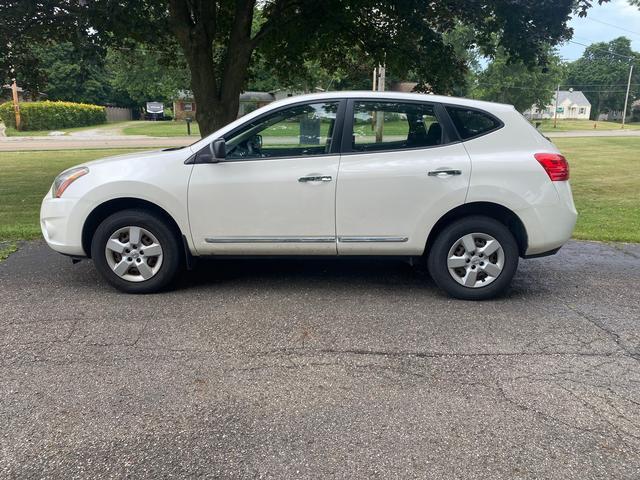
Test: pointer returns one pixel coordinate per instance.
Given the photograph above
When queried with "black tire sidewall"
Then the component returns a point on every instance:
(437, 257)
(171, 258)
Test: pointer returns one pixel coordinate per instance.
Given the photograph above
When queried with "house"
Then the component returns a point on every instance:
(572, 104)
(185, 106)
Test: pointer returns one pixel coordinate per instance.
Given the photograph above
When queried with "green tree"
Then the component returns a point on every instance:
(219, 38)
(70, 73)
(147, 75)
(514, 82)
(602, 73)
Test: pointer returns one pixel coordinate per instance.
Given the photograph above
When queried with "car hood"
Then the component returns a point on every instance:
(137, 156)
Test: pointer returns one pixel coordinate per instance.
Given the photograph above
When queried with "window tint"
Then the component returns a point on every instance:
(301, 130)
(471, 123)
(392, 125)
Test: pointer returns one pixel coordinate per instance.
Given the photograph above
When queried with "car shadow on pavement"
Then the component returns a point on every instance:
(306, 271)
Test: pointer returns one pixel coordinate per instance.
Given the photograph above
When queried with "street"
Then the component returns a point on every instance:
(321, 368)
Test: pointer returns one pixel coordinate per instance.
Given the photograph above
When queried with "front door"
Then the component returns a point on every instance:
(274, 193)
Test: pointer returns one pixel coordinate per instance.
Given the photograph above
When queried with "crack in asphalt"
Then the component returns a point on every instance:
(608, 331)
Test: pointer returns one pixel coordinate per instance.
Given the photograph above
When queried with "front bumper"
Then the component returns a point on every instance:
(59, 229)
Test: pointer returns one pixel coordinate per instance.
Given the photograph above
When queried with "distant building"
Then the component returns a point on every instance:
(185, 106)
(571, 105)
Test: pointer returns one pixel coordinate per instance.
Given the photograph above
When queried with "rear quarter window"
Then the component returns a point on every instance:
(472, 123)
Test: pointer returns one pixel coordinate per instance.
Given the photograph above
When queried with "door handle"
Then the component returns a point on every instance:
(444, 173)
(315, 178)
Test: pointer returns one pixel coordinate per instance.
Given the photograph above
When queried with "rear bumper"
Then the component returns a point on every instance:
(58, 227)
(550, 226)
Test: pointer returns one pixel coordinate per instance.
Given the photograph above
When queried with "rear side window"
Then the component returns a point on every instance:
(379, 126)
(472, 123)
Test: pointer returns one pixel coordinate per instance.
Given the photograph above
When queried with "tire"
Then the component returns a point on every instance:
(453, 258)
(124, 263)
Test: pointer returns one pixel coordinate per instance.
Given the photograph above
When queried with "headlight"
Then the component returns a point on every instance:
(66, 178)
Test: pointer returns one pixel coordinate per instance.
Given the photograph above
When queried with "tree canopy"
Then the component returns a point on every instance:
(602, 74)
(220, 38)
(519, 84)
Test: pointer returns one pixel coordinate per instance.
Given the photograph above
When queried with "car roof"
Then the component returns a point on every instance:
(423, 97)
(494, 108)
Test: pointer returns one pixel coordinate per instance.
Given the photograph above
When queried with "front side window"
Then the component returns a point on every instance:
(472, 123)
(298, 131)
(393, 125)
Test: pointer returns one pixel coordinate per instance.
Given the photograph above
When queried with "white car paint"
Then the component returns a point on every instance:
(374, 187)
(384, 196)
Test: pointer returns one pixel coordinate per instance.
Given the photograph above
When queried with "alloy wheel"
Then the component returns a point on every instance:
(475, 260)
(133, 253)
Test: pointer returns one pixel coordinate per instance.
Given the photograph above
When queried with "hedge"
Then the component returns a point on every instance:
(53, 115)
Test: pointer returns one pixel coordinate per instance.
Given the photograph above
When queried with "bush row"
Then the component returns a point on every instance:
(53, 115)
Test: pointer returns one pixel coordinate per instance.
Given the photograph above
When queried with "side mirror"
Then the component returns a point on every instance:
(219, 149)
(213, 153)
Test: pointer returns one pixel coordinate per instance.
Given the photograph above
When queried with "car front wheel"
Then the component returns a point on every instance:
(136, 251)
(474, 258)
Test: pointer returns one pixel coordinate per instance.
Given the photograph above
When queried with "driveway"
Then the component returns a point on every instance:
(66, 142)
(322, 369)
(99, 139)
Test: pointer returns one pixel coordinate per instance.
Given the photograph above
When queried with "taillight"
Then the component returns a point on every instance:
(555, 165)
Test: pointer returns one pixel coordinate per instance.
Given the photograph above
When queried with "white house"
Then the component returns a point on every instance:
(571, 105)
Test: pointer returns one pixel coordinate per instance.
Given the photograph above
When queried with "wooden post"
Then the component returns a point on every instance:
(16, 104)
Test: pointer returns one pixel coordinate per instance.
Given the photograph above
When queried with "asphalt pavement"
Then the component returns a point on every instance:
(321, 369)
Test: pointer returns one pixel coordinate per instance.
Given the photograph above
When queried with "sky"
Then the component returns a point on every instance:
(622, 20)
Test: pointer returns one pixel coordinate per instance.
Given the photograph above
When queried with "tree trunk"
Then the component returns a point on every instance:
(217, 94)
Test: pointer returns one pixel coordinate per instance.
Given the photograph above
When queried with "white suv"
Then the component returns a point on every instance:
(470, 185)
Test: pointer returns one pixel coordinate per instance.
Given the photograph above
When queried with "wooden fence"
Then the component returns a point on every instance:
(117, 114)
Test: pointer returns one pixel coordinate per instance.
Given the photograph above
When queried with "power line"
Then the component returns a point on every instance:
(603, 50)
(612, 25)
(563, 86)
(595, 85)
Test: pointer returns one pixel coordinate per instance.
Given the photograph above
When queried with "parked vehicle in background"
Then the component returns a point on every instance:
(154, 111)
(469, 185)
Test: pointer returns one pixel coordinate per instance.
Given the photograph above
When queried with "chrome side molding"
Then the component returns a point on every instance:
(372, 239)
(270, 239)
(350, 239)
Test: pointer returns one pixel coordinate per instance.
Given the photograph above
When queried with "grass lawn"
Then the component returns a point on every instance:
(571, 125)
(167, 128)
(25, 179)
(179, 129)
(605, 184)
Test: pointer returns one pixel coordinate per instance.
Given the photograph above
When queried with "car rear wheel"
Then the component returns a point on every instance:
(136, 251)
(474, 258)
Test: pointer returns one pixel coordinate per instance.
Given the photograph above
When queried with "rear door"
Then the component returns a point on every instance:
(402, 168)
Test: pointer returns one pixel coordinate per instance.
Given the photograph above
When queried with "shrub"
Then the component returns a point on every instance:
(53, 115)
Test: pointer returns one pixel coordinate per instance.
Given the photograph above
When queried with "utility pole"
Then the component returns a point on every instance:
(16, 104)
(555, 110)
(380, 115)
(375, 79)
(626, 99)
